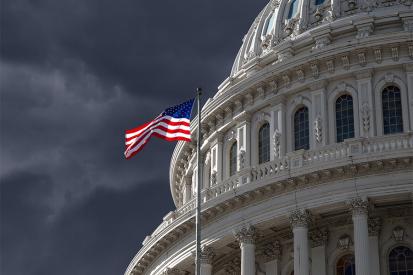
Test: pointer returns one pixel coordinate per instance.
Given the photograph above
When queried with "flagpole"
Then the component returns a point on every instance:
(198, 193)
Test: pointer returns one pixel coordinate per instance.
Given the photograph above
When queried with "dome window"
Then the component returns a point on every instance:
(269, 24)
(233, 159)
(301, 129)
(293, 9)
(392, 110)
(264, 143)
(319, 2)
(344, 118)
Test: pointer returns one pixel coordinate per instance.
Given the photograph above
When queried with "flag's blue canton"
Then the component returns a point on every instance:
(180, 111)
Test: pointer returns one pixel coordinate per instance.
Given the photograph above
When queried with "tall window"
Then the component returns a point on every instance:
(264, 143)
(344, 118)
(270, 23)
(233, 159)
(293, 9)
(301, 129)
(392, 110)
(346, 265)
(401, 261)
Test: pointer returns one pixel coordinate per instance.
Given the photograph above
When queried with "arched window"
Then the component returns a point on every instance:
(233, 159)
(293, 9)
(301, 129)
(401, 261)
(344, 118)
(264, 143)
(346, 265)
(392, 110)
(270, 23)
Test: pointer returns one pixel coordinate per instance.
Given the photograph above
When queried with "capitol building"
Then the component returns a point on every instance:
(307, 150)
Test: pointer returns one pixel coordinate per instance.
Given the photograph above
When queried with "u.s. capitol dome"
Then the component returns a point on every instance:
(307, 150)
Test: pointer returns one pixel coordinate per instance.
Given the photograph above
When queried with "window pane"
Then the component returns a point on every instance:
(233, 159)
(392, 110)
(344, 118)
(399, 259)
(301, 129)
(270, 24)
(319, 2)
(293, 9)
(264, 143)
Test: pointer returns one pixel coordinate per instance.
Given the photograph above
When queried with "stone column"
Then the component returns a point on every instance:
(272, 258)
(207, 256)
(319, 239)
(300, 219)
(361, 235)
(246, 238)
(374, 231)
(187, 189)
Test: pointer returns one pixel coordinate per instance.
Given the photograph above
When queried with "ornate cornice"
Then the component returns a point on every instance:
(246, 235)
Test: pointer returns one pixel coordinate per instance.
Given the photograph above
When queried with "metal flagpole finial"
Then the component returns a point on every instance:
(199, 91)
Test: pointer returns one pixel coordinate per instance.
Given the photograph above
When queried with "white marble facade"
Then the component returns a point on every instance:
(336, 78)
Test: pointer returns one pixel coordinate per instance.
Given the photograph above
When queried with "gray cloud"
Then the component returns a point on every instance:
(74, 75)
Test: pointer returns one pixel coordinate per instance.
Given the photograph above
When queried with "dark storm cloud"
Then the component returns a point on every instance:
(74, 75)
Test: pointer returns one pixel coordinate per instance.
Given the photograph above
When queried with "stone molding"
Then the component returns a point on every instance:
(246, 235)
(300, 218)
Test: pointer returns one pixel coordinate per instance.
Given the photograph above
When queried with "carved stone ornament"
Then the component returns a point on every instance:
(318, 15)
(365, 115)
(274, 86)
(398, 233)
(395, 53)
(362, 58)
(266, 41)
(231, 135)
(277, 143)
(300, 218)
(330, 66)
(344, 242)
(358, 206)
(318, 129)
(289, 26)
(275, 3)
(233, 267)
(174, 271)
(207, 255)
(214, 178)
(319, 237)
(314, 70)
(246, 235)
(287, 80)
(346, 62)
(389, 77)
(374, 226)
(377, 55)
(241, 157)
(272, 251)
(352, 4)
(321, 42)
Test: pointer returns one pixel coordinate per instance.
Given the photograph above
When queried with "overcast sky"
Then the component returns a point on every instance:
(74, 75)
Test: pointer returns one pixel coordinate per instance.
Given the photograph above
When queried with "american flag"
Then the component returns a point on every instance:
(172, 124)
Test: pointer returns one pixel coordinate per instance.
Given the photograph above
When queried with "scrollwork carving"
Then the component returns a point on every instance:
(318, 129)
(277, 143)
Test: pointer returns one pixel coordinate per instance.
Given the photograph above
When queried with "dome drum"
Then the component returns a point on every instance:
(308, 143)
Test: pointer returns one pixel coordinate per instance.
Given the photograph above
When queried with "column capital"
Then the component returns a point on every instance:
(319, 237)
(246, 235)
(300, 218)
(207, 254)
(374, 226)
(358, 206)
